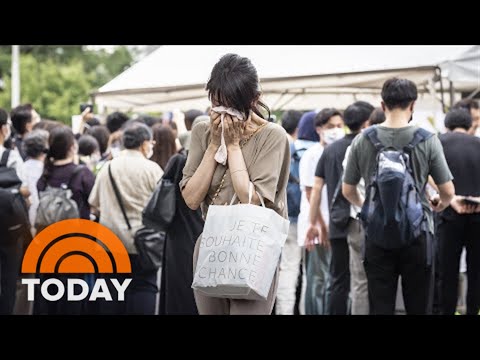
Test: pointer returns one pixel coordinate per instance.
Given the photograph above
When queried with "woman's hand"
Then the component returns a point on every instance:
(233, 130)
(215, 128)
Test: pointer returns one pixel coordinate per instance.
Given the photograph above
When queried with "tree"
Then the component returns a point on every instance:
(56, 79)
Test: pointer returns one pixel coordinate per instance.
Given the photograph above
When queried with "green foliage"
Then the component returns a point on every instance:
(56, 79)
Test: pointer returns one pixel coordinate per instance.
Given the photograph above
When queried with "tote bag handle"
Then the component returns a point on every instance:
(250, 195)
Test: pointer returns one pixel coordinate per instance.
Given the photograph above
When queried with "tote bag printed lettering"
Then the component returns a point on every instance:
(239, 251)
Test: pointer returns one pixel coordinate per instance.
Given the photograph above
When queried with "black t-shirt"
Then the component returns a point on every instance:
(330, 168)
(462, 152)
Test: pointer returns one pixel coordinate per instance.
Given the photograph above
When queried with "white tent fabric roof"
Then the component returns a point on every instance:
(175, 76)
(464, 70)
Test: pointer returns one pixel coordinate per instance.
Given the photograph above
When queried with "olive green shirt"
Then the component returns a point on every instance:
(427, 159)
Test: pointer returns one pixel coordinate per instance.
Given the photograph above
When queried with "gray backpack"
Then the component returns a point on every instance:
(56, 204)
(392, 214)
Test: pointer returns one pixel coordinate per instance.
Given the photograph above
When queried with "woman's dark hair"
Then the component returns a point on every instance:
(20, 116)
(101, 133)
(3, 117)
(60, 142)
(164, 147)
(46, 124)
(149, 120)
(87, 145)
(376, 117)
(398, 93)
(116, 120)
(325, 114)
(234, 83)
(36, 143)
(458, 118)
(135, 134)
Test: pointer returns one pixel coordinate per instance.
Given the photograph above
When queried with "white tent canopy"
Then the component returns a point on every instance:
(464, 70)
(301, 77)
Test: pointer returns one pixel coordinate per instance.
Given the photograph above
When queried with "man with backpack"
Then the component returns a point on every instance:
(14, 224)
(395, 160)
(329, 172)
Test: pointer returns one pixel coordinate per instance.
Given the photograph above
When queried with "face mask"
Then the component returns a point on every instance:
(115, 151)
(331, 135)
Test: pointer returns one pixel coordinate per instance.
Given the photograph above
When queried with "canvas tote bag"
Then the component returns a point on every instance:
(239, 250)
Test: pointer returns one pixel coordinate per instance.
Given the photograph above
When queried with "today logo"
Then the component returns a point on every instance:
(76, 246)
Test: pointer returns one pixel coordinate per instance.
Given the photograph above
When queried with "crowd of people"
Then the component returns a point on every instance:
(328, 266)
(46, 154)
(322, 169)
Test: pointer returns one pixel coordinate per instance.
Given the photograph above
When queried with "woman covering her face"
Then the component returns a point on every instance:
(252, 150)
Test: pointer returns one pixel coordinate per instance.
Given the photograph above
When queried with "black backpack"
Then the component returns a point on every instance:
(392, 214)
(13, 211)
(160, 209)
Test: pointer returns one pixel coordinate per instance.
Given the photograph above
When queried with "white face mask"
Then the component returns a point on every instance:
(331, 135)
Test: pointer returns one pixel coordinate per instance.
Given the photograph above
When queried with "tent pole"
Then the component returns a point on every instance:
(440, 78)
(452, 93)
(475, 92)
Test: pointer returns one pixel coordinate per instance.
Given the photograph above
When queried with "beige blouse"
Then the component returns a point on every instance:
(267, 157)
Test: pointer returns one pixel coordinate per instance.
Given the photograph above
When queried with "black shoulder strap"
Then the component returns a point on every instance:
(293, 179)
(419, 136)
(295, 155)
(371, 134)
(117, 195)
(338, 188)
(6, 154)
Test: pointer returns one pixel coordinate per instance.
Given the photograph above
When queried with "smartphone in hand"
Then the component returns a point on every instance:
(84, 106)
(470, 201)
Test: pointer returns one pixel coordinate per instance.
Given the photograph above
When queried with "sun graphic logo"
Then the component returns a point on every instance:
(76, 246)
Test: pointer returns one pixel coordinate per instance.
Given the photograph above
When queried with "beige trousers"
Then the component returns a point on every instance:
(207, 305)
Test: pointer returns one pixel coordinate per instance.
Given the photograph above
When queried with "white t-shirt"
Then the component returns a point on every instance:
(33, 170)
(15, 161)
(308, 164)
(354, 210)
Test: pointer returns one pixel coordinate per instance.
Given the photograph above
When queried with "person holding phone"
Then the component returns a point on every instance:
(88, 118)
(459, 224)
